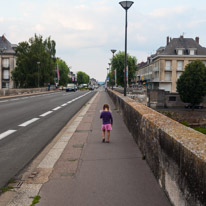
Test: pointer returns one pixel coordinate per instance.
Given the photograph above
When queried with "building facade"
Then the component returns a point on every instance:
(7, 62)
(163, 68)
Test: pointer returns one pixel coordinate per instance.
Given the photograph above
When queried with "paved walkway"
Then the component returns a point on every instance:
(92, 173)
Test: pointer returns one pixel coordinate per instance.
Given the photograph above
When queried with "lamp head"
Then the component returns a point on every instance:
(113, 50)
(126, 4)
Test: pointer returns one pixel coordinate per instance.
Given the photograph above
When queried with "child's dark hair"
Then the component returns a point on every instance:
(106, 106)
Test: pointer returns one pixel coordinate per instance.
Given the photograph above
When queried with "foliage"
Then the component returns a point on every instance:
(28, 73)
(82, 78)
(35, 200)
(117, 63)
(192, 83)
(200, 129)
(5, 189)
(64, 71)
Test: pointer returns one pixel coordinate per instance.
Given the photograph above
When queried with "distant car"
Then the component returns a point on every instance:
(91, 87)
(71, 87)
(197, 106)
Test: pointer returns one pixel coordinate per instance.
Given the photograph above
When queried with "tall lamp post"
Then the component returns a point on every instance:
(126, 5)
(38, 63)
(115, 75)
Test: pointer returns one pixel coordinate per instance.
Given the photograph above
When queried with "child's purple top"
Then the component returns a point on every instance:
(106, 117)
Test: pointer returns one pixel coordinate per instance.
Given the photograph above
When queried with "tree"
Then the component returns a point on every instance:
(82, 78)
(27, 72)
(192, 83)
(64, 71)
(117, 63)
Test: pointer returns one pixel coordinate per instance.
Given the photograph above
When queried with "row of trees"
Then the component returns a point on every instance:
(117, 63)
(35, 62)
(36, 65)
(82, 78)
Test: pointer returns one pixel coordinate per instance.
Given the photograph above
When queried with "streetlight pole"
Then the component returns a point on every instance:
(115, 75)
(126, 5)
(38, 63)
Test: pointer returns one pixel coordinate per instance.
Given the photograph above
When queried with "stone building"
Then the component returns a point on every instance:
(163, 68)
(7, 62)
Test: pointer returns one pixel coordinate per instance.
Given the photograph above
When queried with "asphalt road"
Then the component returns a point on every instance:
(28, 124)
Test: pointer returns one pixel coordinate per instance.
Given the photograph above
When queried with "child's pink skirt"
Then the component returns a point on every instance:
(106, 127)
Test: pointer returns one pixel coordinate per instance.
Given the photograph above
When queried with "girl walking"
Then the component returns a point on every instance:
(107, 122)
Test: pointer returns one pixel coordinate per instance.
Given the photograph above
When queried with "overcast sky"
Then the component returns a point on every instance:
(86, 30)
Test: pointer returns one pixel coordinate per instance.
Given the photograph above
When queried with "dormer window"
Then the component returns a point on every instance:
(192, 51)
(180, 51)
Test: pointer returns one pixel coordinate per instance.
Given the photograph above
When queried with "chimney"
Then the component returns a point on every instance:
(181, 37)
(197, 39)
(168, 40)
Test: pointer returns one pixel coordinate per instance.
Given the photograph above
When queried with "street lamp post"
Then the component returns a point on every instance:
(126, 5)
(115, 75)
(38, 63)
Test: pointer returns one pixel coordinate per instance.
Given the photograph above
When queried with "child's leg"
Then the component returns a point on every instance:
(103, 134)
(108, 135)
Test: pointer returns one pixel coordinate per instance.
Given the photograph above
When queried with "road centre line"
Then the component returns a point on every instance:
(45, 114)
(64, 105)
(28, 122)
(56, 108)
(5, 134)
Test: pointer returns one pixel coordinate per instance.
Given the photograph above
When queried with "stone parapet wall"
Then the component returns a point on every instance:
(9, 92)
(176, 154)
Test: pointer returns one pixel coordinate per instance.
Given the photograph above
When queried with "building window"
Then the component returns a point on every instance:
(192, 52)
(179, 74)
(180, 52)
(6, 63)
(180, 65)
(5, 74)
(167, 76)
(5, 85)
(168, 65)
(172, 99)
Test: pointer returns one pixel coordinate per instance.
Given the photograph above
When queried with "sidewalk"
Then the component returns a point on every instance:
(91, 173)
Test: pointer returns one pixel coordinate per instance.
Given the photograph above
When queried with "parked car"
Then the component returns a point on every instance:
(91, 87)
(71, 87)
(197, 106)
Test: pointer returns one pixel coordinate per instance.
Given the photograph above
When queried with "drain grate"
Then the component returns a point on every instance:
(17, 184)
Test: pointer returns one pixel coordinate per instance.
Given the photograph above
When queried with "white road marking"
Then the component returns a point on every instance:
(4, 101)
(64, 105)
(28, 122)
(69, 102)
(45, 114)
(14, 99)
(5, 134)
(56, 108)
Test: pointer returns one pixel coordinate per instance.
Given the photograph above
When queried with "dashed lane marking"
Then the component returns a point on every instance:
(56, 108)
(5, 134)
(45, 114)
(63, 105)
(28, 122)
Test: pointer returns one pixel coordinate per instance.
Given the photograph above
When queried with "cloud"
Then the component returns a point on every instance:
(164, 12)
(1, 19)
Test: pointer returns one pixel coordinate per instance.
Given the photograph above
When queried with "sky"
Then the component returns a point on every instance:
(85, 31)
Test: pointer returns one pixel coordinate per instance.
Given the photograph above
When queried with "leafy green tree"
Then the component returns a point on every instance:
(28, 73)
(64, 71)
(82, 78)
(192, 83)
(117, 63)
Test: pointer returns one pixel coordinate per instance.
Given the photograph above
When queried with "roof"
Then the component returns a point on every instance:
(183, 43)
(6, 46)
